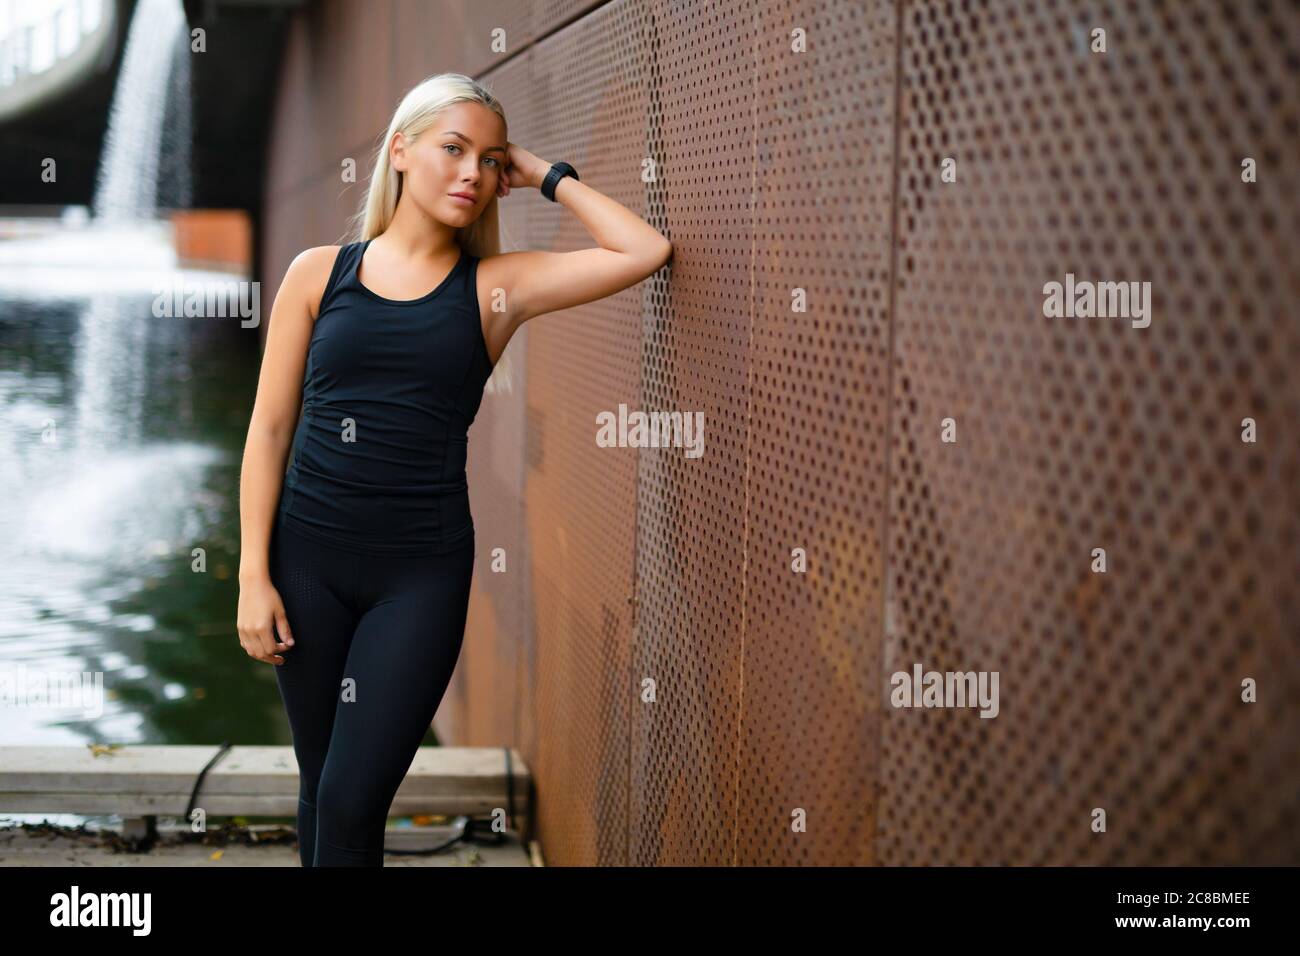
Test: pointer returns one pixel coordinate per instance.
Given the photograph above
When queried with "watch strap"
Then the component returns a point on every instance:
(553, 176)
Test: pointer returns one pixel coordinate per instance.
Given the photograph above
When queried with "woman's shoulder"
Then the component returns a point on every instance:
(317, 258)
(311, 270)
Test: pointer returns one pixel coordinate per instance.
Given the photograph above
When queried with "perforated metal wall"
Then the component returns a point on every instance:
(1121, 690)
(580, 500)
(832, 300)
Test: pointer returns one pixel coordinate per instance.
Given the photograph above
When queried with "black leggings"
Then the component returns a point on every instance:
(375, 643)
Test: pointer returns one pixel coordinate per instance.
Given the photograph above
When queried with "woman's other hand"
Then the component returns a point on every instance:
(260, 616)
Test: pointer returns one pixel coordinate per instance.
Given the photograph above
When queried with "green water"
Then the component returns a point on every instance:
(121, 442)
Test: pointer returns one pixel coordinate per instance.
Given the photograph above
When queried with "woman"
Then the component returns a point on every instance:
(366, 549)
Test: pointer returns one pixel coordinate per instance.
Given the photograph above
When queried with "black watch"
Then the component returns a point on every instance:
(557, 172)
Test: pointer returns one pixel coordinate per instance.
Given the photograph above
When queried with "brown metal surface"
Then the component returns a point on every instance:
(1120, 690)
(819, 410)
(690, 519)
(782, 175)
(580, 499)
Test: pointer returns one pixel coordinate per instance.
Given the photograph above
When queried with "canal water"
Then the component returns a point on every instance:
(120, 446)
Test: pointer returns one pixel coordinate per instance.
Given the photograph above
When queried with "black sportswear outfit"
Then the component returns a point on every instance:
(372, 549)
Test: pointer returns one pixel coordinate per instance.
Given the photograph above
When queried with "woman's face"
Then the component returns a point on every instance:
(464, 152)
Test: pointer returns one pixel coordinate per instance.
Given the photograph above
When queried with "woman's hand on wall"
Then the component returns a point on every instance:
(522, 169)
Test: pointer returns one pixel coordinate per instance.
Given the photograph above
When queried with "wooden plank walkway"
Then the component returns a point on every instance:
(152, 787)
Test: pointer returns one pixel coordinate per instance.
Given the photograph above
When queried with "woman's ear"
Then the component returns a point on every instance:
(397, 155)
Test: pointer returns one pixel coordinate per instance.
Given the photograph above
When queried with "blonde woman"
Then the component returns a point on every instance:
(356, 563)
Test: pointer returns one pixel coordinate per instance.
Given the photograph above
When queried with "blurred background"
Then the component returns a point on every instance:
(794, 151)
(122, 430)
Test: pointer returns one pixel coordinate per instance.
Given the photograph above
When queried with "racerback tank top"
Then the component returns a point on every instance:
(390, 389)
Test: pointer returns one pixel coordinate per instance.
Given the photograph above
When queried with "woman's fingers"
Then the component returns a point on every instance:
(263, 625)
(282, 626)
(259, 644)
(270, 649)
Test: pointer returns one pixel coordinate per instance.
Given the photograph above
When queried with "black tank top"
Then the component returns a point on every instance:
(389, 391)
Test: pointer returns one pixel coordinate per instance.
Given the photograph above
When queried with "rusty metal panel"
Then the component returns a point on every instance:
(1119, 690)
(812, 429)
(282, 234)
(470, 37)
(551, 16)
(330, 104)
(697, 126)
(462, 36)
(331, 101)
(289, 134)
(589, 107)
(289, 221)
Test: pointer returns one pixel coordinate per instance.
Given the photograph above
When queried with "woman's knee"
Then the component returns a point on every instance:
(351, 815)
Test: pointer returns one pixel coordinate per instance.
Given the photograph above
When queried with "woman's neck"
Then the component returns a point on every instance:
(416, 237)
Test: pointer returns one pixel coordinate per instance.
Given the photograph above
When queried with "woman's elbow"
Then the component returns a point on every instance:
(661, 256)
(647, 261)
(275, 432)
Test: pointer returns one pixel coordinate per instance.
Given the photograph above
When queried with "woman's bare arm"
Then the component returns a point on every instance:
(278, 404)
(534, 282)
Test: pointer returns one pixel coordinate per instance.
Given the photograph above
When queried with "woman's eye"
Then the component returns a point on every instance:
(454, 146)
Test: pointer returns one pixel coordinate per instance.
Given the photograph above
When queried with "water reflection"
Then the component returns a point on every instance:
(119, 457)
(120, 446)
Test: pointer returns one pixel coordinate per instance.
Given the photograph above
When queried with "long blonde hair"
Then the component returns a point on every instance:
(415, 114)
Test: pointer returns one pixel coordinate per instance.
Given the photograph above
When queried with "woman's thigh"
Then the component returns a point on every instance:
(314, 582)
(401, 659)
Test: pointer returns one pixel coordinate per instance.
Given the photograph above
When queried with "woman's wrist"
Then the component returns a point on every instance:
(253, 573)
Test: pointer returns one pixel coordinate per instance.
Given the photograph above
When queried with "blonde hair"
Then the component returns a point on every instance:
(415, 114)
